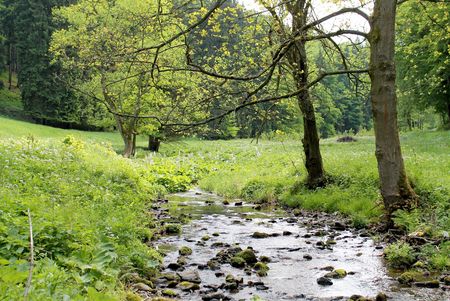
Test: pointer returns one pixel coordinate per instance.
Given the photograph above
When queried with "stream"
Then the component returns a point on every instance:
(301, 249)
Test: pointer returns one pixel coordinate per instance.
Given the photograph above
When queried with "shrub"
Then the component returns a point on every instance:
(400, 255)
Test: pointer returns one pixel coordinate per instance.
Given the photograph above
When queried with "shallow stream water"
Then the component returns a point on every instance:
(291, 275)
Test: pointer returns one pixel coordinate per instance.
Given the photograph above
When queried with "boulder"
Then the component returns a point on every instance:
(190, 276)
(324, 281)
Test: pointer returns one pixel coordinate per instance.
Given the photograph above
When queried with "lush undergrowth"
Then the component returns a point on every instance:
(90, 210)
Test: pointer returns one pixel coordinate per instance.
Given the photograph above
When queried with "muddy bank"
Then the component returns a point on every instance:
(234, 252)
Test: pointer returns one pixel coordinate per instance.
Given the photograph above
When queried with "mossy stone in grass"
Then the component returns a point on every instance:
(237, 262)
(142, 287)
(248, 255)
(185, 251)
(419, 265)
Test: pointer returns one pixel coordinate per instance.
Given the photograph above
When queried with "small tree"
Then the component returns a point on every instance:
(127, 55)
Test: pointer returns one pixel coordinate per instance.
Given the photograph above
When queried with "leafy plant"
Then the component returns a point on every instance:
(400, 255)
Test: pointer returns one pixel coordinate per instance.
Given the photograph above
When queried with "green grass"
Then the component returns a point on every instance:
(269, 170)
(11, 128)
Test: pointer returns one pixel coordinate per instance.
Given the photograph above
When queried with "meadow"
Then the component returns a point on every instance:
(91, 208)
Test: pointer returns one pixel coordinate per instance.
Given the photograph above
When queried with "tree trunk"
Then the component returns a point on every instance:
(448, 113)
(395, 187)
(311, 146)
(129, 140)
(299, 64)
(153, 144)
(10, 66)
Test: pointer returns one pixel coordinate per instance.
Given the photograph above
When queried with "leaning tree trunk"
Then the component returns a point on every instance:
(395, 187)
(299, 64)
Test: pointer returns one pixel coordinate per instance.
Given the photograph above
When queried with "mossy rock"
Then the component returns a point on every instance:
(297, 212)
(142, 287)
(419, 265)
(429, 284)
(264, 259)
(206, 238)
(358, 298)
(188, 286)
(248, 255)
(185, 251)
(230, 279)
(170, 276)
(216, 234)
(341, 272)
(182, 260)
(133, 297)
(213, 265)
(261, 269)
(237, 262)
(336, 274)
(169, 293)
(409, 277)
(172, 229)
(260, 235)
(446, 280)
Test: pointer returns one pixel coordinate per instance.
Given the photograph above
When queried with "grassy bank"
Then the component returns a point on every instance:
(90, 211)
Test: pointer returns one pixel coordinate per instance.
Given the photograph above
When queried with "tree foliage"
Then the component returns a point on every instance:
(423, 57)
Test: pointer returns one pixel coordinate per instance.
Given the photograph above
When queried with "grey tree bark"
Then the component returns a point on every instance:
(396, 190)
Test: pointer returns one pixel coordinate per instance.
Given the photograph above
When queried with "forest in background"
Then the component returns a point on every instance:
(50, 95)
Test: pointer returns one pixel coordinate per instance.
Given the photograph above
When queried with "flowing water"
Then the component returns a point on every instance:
(291, 275)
